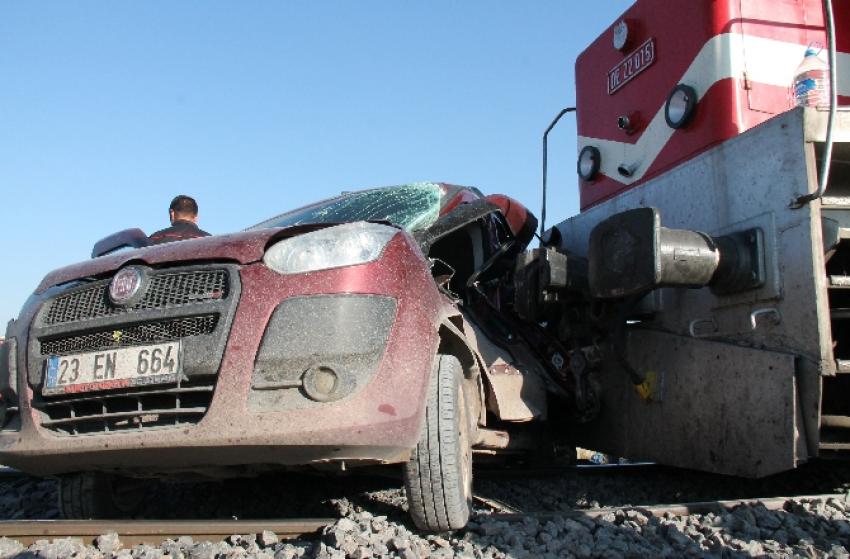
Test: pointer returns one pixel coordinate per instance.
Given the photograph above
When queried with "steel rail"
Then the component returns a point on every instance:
(576, 469)
(676, 509)
(496, 505)
(154, 532)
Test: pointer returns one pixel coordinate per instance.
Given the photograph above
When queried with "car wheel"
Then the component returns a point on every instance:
(97, 495)
(438, 477)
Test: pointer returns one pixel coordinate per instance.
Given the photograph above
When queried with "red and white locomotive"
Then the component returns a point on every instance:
(718, 253)
(738, 57)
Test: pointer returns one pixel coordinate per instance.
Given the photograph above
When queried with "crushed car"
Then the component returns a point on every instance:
(378, 327)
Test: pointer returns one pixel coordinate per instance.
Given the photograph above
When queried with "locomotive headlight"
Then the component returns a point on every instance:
(341, 245)
(589, 160)
(681, 106)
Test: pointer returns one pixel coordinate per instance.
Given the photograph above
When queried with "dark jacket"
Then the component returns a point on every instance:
(180, 231)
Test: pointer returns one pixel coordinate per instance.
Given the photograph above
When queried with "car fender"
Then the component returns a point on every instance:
(454, 341)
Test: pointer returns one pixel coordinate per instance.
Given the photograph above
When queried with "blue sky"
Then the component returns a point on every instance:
(109, 109)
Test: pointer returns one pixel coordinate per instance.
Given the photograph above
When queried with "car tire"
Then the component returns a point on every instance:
(93, 495)
(438, 477)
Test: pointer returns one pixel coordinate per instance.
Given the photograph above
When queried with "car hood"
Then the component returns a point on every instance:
(244, 247)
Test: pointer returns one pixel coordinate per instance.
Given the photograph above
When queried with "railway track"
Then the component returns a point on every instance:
(581, 468)
(500, 517)
(504, 511)
(153, 532)
(488, 471)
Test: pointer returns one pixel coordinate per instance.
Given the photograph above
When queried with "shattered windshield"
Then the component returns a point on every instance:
(410, 206)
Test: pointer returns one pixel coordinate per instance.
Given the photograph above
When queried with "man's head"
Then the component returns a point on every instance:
(183, 208)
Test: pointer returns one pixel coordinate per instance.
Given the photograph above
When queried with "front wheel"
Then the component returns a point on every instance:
(438, 477)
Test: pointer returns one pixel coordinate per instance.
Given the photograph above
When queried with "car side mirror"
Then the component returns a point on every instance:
(126, 239)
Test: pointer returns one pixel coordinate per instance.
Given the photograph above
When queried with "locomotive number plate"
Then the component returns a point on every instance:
(632, 65)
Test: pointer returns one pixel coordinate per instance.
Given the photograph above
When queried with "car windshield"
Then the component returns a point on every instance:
(410, 206)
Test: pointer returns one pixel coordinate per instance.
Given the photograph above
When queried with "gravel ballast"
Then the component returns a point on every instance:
(372, 519)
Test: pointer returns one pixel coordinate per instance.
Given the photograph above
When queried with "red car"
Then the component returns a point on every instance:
(329, 336)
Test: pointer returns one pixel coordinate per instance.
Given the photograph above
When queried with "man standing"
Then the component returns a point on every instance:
(183, 213)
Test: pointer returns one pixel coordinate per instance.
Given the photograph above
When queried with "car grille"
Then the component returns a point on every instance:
(165, 290)
(194, 305)
(141, 409)
(136, 334)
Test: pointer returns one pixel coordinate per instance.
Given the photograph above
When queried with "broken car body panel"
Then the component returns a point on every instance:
(289, 369)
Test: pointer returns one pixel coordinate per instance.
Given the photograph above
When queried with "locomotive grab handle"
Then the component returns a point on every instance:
(695, 324)
(754, 316)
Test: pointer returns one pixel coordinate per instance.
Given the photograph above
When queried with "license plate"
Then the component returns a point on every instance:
(112, 369)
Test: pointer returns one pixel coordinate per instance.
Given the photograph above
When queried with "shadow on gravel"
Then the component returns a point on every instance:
(301, 494)
(653, 485)
(803, 527)
(270, 496)
(28, 498)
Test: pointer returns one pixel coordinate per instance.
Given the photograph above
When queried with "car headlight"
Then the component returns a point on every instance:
(333, 247)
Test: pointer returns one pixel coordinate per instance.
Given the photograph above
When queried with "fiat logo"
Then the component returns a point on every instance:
(125, 285)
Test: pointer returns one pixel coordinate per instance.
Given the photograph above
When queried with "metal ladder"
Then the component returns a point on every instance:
(835, 390)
